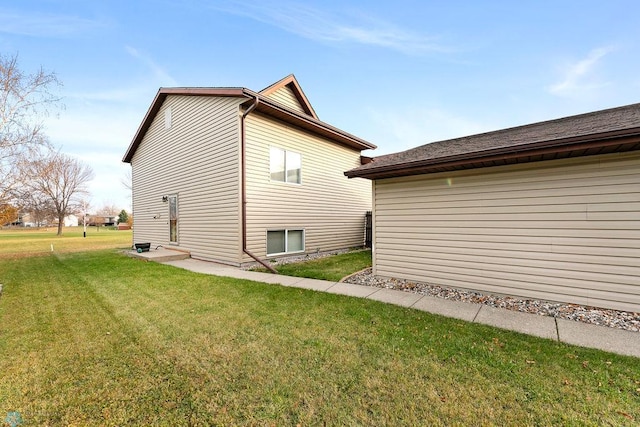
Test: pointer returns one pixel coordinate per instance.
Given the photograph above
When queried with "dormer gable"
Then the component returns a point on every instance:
(289, 93)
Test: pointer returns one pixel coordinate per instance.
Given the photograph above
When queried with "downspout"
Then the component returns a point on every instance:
(243, 174)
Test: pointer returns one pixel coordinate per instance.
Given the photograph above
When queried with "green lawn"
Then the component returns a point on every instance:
(331, 268)
(37, 241)
(97, 338)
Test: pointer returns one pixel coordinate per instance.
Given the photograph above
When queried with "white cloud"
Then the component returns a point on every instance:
(99, 137)
(315, 24)
(98, 126)
(399, 130)
(129, 94)
(107, 188)
(577, 77)
(43, 25)
(95, 128)
(159, 73)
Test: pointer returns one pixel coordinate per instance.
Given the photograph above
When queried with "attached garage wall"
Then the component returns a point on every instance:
(564, 230)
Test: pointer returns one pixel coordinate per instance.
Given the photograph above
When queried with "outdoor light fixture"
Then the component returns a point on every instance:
(165, 199)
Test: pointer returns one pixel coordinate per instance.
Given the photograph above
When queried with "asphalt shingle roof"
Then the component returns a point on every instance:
(624, 121)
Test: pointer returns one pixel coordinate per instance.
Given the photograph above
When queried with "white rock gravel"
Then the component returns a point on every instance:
(597, 316)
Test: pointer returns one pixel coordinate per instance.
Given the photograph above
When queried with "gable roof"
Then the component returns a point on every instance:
(265, 105)
(291, 84)
(600, 132)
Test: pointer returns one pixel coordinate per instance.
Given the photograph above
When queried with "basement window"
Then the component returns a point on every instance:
(285, 241)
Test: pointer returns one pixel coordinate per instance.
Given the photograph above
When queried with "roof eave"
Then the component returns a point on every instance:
(265, 105)
(627, 139)
(274, 109)
(157, 102)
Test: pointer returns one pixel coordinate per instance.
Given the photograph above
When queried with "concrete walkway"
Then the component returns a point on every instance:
(567, 331)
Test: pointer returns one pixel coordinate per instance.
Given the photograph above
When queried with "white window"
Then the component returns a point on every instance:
(286, 166)
(285, 241)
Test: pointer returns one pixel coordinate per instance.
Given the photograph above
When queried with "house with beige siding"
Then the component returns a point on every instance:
(548, 211)
(237, 176)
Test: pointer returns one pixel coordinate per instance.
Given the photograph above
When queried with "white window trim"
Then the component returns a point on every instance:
(285, 151)
(286, 240)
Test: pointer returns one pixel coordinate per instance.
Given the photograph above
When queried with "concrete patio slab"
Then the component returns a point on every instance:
(540, 326)
(352, 290)
(456, 309)
(160, 255)
(392, 296)
(600, 337)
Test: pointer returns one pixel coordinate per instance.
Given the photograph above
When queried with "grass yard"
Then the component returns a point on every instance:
(38, 241)
(331, 268)
(97, 338)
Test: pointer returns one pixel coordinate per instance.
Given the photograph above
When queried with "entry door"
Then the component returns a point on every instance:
(173, 218)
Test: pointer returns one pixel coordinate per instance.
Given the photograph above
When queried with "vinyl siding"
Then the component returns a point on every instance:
(198, 159)
(327, 205)
(285, 96)
(564, 230)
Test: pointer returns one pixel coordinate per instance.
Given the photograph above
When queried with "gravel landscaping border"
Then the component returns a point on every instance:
(629, 321)
(598, 316)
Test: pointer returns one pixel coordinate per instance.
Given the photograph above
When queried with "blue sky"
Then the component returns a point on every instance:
(399, 74)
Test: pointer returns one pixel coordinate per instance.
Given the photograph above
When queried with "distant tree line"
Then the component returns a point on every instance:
(43, 214)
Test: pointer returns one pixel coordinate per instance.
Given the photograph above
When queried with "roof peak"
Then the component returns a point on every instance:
(291, 83)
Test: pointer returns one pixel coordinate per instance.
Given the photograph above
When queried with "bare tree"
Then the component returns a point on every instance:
(127, 180)
(24, 102)
(39, 207)
(108, 210)
(61, 179)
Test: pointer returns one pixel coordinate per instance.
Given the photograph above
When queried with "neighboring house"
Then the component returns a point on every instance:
(32, 220)
(232, 175)
(547, 211)
(102, 220)
(70, 221)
